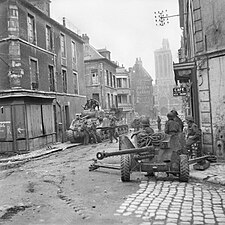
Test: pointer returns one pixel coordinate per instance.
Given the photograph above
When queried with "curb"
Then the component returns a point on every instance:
(14, 163)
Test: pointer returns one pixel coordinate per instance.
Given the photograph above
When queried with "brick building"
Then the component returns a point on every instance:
(42, 83)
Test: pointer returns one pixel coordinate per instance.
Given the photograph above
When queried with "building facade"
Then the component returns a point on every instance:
(100, 75)
(202, 60)
(141, 83)
(125, 95)
(164, 82)
(42, 83)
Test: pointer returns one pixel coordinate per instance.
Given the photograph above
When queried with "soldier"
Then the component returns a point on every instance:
(171, 126)
(178, 120)
(93, 133)
(84, 128)
(112, 131)
(193, 132)
(145, 124)
(159, 123)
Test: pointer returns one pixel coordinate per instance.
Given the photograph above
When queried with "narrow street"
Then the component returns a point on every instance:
(59, 189)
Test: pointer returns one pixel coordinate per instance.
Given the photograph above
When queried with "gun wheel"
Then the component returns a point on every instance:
(125, 168)
(184, 168)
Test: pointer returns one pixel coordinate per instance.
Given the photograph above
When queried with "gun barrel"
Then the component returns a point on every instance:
(102, 155)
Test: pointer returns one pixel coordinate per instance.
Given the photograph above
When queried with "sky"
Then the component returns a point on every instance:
(127, 28)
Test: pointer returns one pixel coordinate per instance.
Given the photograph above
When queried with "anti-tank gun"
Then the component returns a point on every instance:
(162, 153)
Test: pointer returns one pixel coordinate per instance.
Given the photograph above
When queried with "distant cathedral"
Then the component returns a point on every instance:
(164, 75)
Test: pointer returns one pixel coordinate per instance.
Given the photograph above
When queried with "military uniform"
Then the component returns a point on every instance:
(112, 131)
(193, 134)
(171, 126)
(86, 133)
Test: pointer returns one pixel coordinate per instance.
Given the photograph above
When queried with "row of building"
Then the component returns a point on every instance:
(48, 72)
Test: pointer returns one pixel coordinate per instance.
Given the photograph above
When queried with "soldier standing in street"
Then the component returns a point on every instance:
(178, 120)
(159, 123)
(84, 128)
(171, 126)
(112, 131)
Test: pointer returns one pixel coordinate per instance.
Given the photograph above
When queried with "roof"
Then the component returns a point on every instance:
(139, 70)
(91, 54)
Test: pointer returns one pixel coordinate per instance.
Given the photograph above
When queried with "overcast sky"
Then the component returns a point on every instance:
(127, 28)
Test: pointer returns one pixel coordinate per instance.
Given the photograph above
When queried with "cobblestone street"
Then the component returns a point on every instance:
(172, 203)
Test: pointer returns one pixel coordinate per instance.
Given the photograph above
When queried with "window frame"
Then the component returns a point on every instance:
(74, 51)
(52, 82)
(49, 41)
(34, 87)
(75, 83)
(64, 81)
(33, 25)
(63, 46)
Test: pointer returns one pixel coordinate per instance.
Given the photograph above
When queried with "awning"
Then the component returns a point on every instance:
(25, 94)
(183, 71)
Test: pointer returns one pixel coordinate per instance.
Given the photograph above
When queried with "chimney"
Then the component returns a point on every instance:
(85, 38)
(64, 21)
(105, 53)
(43, 5)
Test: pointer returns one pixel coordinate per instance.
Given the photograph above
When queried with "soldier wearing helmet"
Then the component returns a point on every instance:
(193, 132)
(178, 120)
(171, 126)
(145, 125)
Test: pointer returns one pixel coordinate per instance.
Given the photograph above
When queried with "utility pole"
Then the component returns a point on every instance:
(162, 17)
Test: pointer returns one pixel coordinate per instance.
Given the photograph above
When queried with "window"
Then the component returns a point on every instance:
(119, 82)
(114, 81)
(125, 83)
(94, 76)
(111, 79)
(108, 95)
(64, 78)
(49, 38)
(34, 74)
(13, 11)
(112, 99)
(51, 78)
(122, 99)
(74, 52)
(96, 96)
(63, 45)
(75, 82)
(119, 97)
(31, 29)
(107, 77)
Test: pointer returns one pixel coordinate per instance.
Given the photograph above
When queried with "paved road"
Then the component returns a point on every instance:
(58, 189)
(172, 203)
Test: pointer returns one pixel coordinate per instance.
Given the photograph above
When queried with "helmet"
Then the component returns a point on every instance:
(175, 112)
(170, 115)
(145, 121)
(190, 118)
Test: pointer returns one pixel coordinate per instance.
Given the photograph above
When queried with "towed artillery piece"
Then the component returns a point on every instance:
(163, 153)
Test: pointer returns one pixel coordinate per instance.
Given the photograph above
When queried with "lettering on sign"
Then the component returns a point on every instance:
(179, 91)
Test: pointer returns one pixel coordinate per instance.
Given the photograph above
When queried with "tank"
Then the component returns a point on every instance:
(101, 121)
